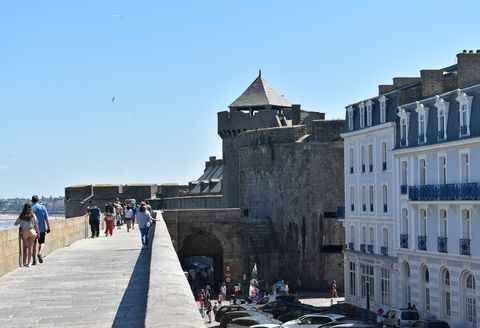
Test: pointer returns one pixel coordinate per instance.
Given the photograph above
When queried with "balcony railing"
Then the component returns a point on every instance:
(363, 168)
(351, 169)
(370, 249)
(384, 250)
(351, 246)
(363, 248)
(421, 139)
(422, 243)
(449, 191)
(403, 189)
(441, 135)
(403, 142)
(384, 166)
(463, 131)
(370, 168)
(442, 244)
(465, 246)
(403, 240)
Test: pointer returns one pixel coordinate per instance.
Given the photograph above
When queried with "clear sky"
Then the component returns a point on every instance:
(172, 65)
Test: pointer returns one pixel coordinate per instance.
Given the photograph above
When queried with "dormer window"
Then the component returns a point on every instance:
(383, 109)
(422, 122)
(369, 113)
(350, 118)
(465, 110)
(361, 108)
(404, 120)
(442, 117)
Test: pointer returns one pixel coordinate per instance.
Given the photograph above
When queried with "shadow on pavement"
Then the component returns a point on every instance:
(133, 307)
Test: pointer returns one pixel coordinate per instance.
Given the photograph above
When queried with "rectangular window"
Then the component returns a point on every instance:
(353, 279)
(369, 114)
(422, 168)
(362, 116)
(423, 222)
(386, 287)
(443, 223)
(368, 281)
(470, 308)
(464, 168)
(427, 299)
(383, 110)
(370, 196)
(448, 309)
(350, 120)
(384, 156)
(385, 198)
(404, 173)
(442, 170)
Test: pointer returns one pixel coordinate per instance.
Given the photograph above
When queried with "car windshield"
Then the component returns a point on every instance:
(410, 315)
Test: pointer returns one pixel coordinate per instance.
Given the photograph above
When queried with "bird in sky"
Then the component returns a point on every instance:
(115, 15)
(113, 99)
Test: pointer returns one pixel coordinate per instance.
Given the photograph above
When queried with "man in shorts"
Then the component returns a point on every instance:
(43, 225)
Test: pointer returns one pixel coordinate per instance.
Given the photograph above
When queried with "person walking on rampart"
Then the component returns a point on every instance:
(144, 220)
(118, 213)
(94, 219)
(128, 213)
(41, 213)
(109, 219)
(29, 231)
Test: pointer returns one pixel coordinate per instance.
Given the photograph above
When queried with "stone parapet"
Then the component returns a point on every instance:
(170, 301)
(64, 233)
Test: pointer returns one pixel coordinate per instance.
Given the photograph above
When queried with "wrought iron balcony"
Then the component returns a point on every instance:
(465, 246)
(421, 139)
(371, 207)
(422, 243)
(463, 131)
(449, 191)
(370, 248)
(384, 166)
(403, 189)
(442, 244)
(363, 248)
(363, 168)
(384, 250)
(370, 168)
(385, 208)
(351, 169)
(351, 246)
(441, 135)
(403, 241)
(403, 142)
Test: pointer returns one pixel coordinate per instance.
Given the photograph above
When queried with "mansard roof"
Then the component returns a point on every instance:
(260, 94)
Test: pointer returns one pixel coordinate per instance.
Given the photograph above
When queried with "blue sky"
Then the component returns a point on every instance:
(172, 65)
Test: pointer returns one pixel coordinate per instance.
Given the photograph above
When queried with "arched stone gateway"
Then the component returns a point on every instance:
(203, 251)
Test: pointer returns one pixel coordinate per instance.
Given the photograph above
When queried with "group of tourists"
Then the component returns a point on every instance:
(34, 225)
(118, 214)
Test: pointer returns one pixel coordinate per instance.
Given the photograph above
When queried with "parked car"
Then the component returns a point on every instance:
(282, 308)
(350, 324)
(229, 308)
(267, 325)
(271, 298)
(229, 316)
(400, 318)
(244, 322)
(431, 324)
(313, 320)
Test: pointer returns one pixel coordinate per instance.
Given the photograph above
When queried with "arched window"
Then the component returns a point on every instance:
(372, 236)
(385, 198)
(469, 299)
(445, 290)
(362, 155)
(352, 233)
(364, 199)
(370, 158)
(384, 156)
(407, 295)
(351, 159)
(371, 195)
(425, 287)
(364, 235)
(352, 198)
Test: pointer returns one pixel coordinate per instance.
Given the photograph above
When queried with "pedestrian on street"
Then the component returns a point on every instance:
(333, 289)
(109, 219)
(94, 219)
(41, 213)
(223, 293)
(29, 231)
(236, 290)
(144, 220)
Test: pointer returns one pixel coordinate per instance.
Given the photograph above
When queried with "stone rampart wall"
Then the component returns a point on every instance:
(64, 233)
(188, 202)
(170, 301)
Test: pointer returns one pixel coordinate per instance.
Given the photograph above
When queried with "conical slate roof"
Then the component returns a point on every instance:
(260, 94)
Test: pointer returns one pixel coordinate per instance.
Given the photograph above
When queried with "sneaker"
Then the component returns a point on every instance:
(34, 263)
(40, 258)
(92, 237)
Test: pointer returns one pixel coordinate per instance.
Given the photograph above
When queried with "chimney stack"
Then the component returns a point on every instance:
(468, 64)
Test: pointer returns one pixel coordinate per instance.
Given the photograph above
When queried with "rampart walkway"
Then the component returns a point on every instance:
(101, 282)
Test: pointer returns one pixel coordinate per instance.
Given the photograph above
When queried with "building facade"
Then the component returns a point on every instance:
(435, 191)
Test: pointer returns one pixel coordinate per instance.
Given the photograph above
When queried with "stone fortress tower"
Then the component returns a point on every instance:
(273, 200)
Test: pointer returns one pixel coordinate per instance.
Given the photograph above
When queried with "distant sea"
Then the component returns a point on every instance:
(7, 220)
